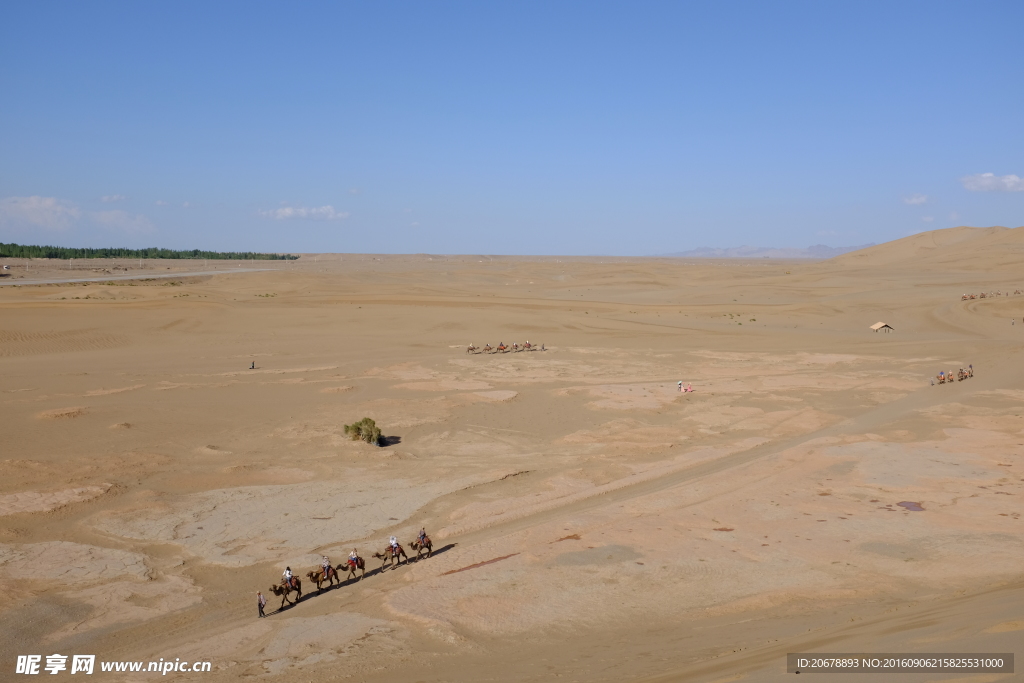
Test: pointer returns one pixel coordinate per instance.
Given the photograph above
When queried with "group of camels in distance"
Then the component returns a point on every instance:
(961, 375)
(504, 348)
(391, 558)
(987, 295)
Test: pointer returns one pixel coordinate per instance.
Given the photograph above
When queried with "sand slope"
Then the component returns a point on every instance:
(959, 248)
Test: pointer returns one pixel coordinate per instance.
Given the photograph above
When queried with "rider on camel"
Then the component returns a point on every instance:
(287, 578)
(423, 535)
(353, 558)
(326, 564)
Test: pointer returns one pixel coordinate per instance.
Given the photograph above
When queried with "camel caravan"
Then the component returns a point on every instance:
(987, 295)
(962, 374)
(502, 347)
(391, 558)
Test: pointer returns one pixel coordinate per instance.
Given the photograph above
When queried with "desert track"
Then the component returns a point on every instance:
(56, 280)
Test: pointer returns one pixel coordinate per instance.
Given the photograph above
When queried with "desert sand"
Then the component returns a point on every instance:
(590, 522)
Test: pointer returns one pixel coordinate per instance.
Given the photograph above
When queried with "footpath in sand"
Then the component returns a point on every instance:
(815, 492)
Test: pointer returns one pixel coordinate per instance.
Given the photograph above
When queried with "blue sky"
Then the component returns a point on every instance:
(518, 128)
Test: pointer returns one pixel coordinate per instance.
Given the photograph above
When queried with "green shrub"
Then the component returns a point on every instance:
(31, 251)
(365, 430)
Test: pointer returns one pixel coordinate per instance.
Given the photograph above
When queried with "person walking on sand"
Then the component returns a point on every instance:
(261, 602)
(680, 385)
(688, 387)
(253, 366)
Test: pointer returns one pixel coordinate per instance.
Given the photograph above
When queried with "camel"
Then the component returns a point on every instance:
(488, 348)
(471, 348)
(515, 347)
(392, 557)
(501, 348)
(353, 566)
(317, 577)
(284, 589)
(420, 547)
(527, 346)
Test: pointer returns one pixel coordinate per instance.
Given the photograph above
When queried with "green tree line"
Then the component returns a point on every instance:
(33, 251)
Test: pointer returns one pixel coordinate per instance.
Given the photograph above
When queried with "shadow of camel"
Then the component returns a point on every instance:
(412, 559)
(347, 582)
(437, 551)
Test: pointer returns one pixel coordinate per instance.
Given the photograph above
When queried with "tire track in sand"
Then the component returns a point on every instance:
(622, 491)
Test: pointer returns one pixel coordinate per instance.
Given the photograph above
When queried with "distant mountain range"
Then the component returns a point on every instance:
(817, 251)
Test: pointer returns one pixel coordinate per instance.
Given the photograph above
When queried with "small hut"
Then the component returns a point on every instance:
(882, 326)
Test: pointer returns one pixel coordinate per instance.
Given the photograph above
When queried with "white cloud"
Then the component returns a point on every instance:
(185, 205)
(954, 216)
(161, 202)
(111, 198)
(48, 213)
(314, 213)
(414, 224)
(915, 199)
(355, 190)
(122, 221)
(927, 219)
(990, 182)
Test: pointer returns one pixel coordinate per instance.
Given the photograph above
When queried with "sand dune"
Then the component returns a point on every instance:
(589, 521)
(959, 248)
